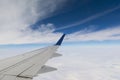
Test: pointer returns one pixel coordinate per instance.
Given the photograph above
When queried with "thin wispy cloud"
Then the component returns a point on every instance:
(101, 35)
(90, 18)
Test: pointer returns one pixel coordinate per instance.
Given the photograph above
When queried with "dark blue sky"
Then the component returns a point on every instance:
(78, 10)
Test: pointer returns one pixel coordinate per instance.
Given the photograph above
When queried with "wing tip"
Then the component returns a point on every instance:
(59, 42)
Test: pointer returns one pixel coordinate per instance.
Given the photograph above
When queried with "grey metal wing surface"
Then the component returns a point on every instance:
(29, 65)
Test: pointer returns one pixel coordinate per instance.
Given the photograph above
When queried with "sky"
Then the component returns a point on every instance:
(92, 31)
(44, 21)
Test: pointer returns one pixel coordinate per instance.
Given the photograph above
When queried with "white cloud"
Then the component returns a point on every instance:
(106, 34)
(17, 15)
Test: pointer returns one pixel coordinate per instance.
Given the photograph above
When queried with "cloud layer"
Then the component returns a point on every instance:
(85, 63)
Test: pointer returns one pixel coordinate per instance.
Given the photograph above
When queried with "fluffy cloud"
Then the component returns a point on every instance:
(16, 16)
(106, 34)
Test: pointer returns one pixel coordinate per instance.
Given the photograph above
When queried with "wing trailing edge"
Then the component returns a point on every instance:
(46, 69)
(56, 55)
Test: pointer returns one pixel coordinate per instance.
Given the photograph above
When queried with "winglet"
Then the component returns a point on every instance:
(60, 40)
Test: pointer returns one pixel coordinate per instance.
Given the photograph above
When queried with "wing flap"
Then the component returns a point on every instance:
(46, 69)
(10, 77)
(56, 55)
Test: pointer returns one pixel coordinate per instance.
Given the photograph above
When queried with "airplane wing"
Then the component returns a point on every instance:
(29, 65)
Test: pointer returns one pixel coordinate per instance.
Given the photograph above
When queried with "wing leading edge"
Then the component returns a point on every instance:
(29, 65)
